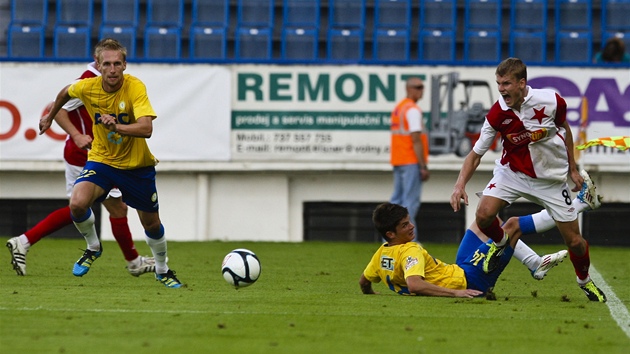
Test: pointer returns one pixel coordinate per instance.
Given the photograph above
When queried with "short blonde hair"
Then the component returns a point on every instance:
(109, 44)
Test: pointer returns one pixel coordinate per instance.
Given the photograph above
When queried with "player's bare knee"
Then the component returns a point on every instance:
(116, 207)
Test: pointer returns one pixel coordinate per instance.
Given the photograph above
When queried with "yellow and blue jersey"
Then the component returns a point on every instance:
(393, 264)
(127, 104)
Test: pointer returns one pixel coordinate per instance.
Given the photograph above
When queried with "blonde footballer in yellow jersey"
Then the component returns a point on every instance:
(128, 102)
(120, 157)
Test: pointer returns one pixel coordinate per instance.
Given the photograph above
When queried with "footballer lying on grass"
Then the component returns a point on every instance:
(408, 269)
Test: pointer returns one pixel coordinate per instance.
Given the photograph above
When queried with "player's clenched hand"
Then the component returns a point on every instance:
(108, 122)
(82, 141)
(457, 196)
(577, 179)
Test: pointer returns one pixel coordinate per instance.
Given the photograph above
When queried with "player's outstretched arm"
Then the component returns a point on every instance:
(46, 121)
(469, 166)
(419, 286)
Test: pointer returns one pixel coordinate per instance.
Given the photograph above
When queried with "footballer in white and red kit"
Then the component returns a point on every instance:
(536, 163)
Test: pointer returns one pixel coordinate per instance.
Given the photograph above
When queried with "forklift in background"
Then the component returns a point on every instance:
(456, 131)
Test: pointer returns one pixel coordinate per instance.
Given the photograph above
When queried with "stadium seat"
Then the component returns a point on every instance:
(72, 42)
(482, 14)
(209, 28)
(300, 44)
(72, 13)
(574, 47)
(573, 15)
(162, 43)
(165, 13)
(125, 35)
(624, 36)
(438, 14)
(528, 46)
(29, 12)
(615, 21)
(253, 43)
(391, 45)
(121, 13)
(208, 43)
(255, 14)
(392, 14)
(346, 14)
(528, 15)
(345, 44)
(210, 13)
(26, 32)
(26, 41)
(436, 45)
(301, 13)
(482, 46)
(615, 15)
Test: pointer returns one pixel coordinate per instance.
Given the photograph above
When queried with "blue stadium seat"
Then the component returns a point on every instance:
(482, 46)
(121, 13)
(528, 15)
(29, 12)
(615, 16)
(72, 42)
(574, 47)
(162, 43)
(346, 14)
(392, 14)
(391, 45)
(253, 43)
(73, 13)
(438, 14)
(623, 35)
(529, 46)
(208, 43)
(573, 15)
(255, 14)
(211, 13)
(165, 13)
(345, 44)
(301, 13)
(26, 41)
(126, 35)
(436, 45)
(482, 14)
(300, 44)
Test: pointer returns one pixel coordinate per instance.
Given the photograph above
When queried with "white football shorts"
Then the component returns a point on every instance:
(554, 196)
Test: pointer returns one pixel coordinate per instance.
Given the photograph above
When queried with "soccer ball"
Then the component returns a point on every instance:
(241, 268)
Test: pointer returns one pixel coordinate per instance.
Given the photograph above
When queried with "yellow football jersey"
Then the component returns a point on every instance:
(393, 264)
(126, 104)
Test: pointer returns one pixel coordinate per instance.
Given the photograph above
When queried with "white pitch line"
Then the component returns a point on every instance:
(618, 311)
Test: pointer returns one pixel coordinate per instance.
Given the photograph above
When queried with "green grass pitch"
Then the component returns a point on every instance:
(307, 300)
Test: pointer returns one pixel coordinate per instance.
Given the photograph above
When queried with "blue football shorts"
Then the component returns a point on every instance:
(137, 186)
(470, 256)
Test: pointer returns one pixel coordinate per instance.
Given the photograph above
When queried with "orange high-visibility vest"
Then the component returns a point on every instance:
(402, 145)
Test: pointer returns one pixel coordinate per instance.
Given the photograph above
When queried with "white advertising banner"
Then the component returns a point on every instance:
(192, 103)
(342, 113)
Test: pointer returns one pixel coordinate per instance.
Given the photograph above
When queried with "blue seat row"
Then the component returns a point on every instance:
(302, 35)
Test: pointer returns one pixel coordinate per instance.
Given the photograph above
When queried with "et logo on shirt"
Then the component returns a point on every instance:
(387, 263)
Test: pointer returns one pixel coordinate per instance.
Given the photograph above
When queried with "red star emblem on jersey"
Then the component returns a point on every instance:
(492, 185)
(539, 115)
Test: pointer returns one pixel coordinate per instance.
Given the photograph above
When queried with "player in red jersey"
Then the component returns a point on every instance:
(75, 155)
(536, 160)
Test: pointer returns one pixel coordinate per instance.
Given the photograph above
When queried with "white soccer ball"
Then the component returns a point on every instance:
(241, 268)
